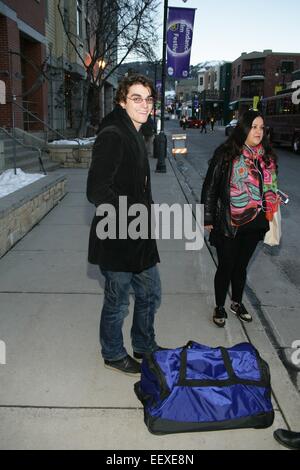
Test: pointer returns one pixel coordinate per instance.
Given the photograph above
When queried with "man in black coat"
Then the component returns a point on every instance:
(120, 171)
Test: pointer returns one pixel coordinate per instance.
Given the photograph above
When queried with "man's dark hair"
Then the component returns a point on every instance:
(127, 82)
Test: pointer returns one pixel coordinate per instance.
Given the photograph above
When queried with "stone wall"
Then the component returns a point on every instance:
(24, 208)
(71, 157)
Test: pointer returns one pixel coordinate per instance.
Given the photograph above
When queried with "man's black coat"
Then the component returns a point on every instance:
(120, 167)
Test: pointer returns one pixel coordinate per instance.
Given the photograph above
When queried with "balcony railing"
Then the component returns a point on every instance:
(211, 95)
(252, 73)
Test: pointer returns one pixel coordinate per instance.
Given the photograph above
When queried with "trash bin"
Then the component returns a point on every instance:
(179, 144)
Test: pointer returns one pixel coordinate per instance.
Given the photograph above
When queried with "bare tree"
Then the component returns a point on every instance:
(114, 30)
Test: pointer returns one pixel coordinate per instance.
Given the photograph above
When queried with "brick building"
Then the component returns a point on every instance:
(260, 74)
(22, 56)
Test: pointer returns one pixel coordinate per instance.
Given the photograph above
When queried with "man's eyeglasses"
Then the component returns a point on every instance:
(139, 100)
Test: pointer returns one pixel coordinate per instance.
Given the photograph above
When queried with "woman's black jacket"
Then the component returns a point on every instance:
(120, 167)
(215, 196)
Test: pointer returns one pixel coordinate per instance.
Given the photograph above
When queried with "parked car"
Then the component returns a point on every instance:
(229, 128)
(194, 123)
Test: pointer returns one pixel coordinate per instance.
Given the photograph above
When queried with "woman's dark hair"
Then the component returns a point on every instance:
(233, 146)
(127, 82)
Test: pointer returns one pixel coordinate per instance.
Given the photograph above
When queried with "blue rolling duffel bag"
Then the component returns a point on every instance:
(199, 388)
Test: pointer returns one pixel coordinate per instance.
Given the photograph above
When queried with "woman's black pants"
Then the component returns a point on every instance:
(234, 255)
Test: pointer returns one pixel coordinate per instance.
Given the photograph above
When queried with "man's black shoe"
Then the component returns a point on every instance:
(140, 356)
(127, 365)
(289, 439)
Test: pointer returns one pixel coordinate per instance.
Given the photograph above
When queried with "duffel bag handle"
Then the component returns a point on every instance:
(189, 344)
(232, 377)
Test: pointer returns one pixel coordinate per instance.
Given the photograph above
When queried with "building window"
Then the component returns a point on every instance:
(201, 81)
(79, 18)
(257, 68)
(239, 70)
(287, 66)
(238, 91)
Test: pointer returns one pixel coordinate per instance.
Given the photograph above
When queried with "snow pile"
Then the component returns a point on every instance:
(170, 94)
(9, 182)
(84, 142)
(209, 64)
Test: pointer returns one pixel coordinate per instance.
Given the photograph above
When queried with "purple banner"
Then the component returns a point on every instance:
(158, 86)
(179, 41)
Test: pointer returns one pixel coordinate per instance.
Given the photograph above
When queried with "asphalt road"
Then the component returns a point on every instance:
(279, 265)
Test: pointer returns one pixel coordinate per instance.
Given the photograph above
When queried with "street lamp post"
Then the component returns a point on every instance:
(156, 63)
(160, 143)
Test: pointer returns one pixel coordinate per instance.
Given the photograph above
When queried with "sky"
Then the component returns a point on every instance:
(226, 28)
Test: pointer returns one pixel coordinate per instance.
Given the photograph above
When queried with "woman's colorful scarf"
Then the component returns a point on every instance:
(248, 172)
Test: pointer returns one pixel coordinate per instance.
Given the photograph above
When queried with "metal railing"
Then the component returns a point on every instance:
(32, 147)
(254, 73)
(29, 107)
(38, 119)
(44, 123)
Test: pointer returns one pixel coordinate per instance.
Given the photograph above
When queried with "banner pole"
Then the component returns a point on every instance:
(161, 139)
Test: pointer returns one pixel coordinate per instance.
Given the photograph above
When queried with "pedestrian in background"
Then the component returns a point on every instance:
(120, 167)
(212, 123)
(203, 126)
(239, 197)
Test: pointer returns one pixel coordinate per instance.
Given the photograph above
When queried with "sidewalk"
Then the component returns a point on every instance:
(55, 392)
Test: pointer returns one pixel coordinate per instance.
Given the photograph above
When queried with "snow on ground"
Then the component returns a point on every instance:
(9, 182)
(87, 141)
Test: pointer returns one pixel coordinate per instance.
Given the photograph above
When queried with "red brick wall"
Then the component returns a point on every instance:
(10, 40)
(4, 66)
(235, 80)
(33, 14)
(30, 11)
(271, 65)
(36, 53)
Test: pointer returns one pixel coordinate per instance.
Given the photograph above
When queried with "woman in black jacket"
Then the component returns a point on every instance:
(239, 197)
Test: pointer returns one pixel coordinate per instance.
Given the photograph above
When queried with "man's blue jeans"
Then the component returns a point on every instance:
(147, 294)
